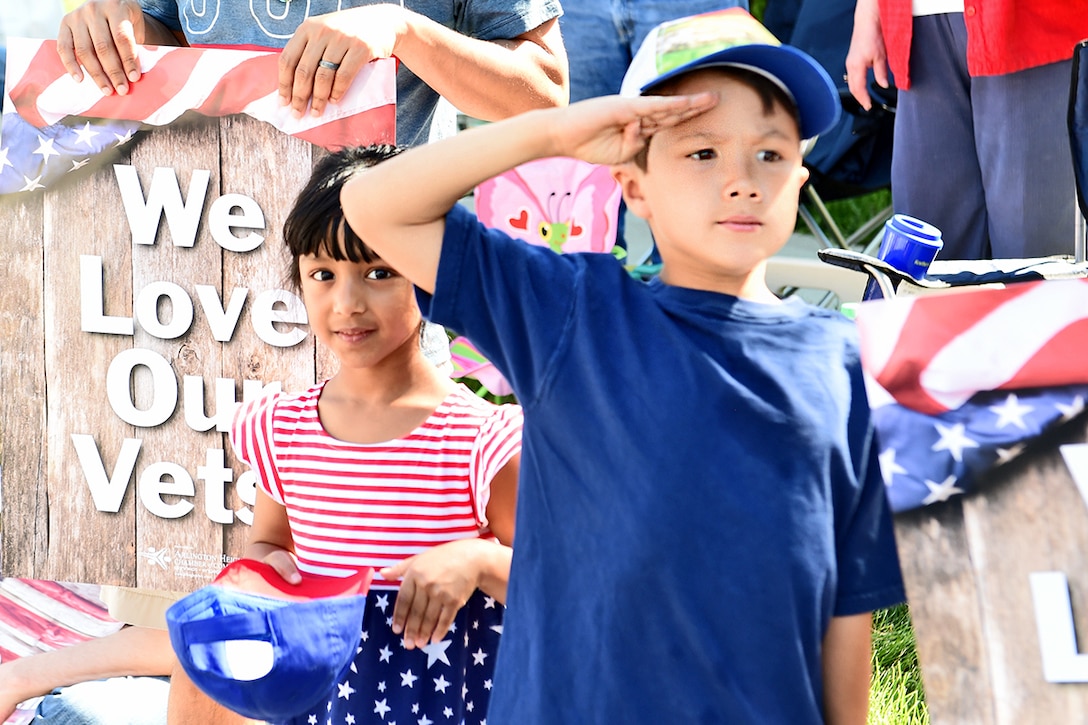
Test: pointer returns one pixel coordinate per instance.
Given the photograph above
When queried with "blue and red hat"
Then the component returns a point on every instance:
(734, 38)
(264, 648)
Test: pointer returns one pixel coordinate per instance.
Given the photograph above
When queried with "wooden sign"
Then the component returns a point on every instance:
(998, 589)
(140, 303)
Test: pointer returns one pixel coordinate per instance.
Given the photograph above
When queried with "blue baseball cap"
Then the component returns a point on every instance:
(264, 648)
(734, 38)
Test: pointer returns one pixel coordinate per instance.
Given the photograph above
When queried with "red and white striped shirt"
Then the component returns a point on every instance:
(353, 505)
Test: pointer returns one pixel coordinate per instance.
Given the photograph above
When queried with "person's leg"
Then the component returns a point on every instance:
(188, 705)
(1027, 168)
(935, 172)
(596, 51)
(129, 700)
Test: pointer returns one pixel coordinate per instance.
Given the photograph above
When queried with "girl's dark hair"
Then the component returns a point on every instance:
(316, 217)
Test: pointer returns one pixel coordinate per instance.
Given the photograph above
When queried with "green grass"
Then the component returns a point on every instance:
(896, 696)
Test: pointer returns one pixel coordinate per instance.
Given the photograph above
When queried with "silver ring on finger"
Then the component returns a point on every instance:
(328, 64)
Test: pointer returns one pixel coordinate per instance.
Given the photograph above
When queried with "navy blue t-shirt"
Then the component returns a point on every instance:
(699, 489)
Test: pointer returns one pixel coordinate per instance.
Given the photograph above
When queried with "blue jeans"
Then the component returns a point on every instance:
(601, 37)
(129, 700)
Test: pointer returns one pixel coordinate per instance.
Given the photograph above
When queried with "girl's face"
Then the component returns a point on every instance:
(363, 312)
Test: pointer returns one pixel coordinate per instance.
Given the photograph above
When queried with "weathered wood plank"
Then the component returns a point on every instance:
(967, 564)
(84, 544)
(272, 168)
(180, 526)
(23, 518)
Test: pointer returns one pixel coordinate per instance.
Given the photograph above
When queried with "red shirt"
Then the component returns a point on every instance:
(1003, 36)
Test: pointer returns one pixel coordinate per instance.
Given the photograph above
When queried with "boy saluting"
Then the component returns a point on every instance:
(702, 526)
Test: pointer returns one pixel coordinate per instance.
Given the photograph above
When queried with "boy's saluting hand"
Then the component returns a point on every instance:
(612, 129)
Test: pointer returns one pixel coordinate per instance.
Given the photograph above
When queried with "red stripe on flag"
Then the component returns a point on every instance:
(147, 95)
(249, 80)
(950, 346)
(45, 67)
(378, 125)
(927, 330)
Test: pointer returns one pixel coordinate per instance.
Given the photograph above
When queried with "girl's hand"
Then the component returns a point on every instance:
(284, 563)
(436, 584)
(612, 129)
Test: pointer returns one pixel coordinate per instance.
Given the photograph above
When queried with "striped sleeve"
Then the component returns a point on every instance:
(498, 441)
(251, 438)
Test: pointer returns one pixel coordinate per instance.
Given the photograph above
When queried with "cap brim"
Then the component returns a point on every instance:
(806, 80)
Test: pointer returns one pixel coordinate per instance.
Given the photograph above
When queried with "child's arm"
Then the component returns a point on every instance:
(270, 538)
(399, 206)
(438, 582)
(847, 669)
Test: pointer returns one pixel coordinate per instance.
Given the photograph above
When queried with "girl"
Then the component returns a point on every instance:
(387, 464)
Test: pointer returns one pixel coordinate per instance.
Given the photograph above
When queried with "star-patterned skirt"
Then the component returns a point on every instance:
(447, 682)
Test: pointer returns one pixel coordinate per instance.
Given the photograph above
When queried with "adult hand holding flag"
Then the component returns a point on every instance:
(176, 80)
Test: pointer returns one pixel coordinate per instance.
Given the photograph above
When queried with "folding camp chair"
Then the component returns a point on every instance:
(1078, 139)
(854, 157)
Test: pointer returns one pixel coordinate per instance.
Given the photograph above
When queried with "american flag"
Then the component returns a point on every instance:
(52, 124)
(962, 382)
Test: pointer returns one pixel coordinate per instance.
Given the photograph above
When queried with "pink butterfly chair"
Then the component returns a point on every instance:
(561, 203)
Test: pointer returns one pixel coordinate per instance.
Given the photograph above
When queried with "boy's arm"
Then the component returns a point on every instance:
(485, 79)
(399, 206)
(847, 669)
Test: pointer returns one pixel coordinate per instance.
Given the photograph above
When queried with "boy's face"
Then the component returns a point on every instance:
(720, 191)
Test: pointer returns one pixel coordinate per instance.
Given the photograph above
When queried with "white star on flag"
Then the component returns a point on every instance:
(441, 684)
(942, 491)
(1011, 412)
(888, 466)
(953, 440)
(407, 679)
(84, 136)
(345, 690)
(45, 149)
(381, 707)
(125, 138)
(33, 184)
(1071, 411)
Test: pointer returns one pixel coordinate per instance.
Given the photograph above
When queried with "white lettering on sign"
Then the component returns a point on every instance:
(164, 478)
(92, 315)
(163, 197)
(277, 315)
(164, 388)
(1054, 623)
(227, 213)
(147, 310)
(1062, 660)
